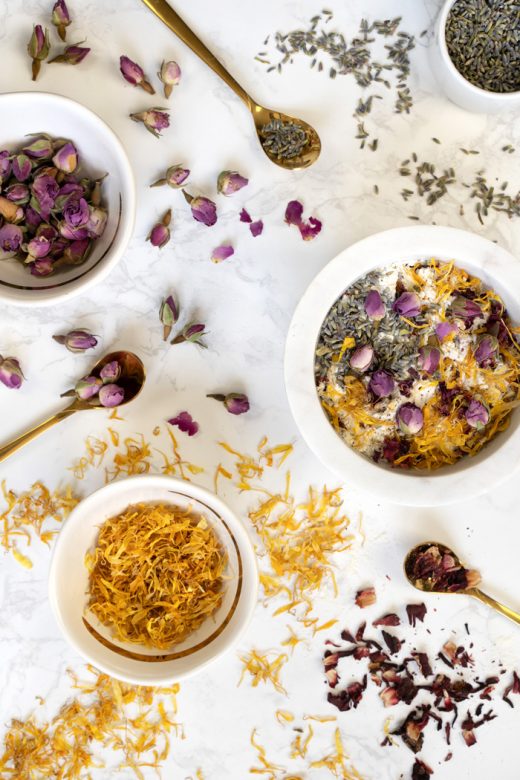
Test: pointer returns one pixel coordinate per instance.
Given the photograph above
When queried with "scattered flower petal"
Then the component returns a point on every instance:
(293, 216)
(245, 216)
(222, 252)
(374, 306)
(408, 305)
(256, 228)
(185, 423)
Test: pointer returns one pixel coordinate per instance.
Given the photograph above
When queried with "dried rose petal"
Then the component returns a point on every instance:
(381, 384)
(446, 330)
(38, 48)
(229, 182)
(256, 228)
(170, 75)
(111, 395)
(235, 403)
(477, 414)
(77, 340)
(202, 209)
(366, 597)
(61, 18)
(222, 252)
(72, 55)
(374, 306)
(387, 620)
(11, 374)
(134, 74)
(408, 305)
(486, 351)
(245, 216)
(361, 359)
(429, 358)
(293, 216)
(154, 119)
(410, 419)
(415, 612)
(185, 423)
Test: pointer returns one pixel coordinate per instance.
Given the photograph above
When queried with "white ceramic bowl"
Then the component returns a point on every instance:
(136, 664)
(100, 152)
(458, 89)
(470, 476)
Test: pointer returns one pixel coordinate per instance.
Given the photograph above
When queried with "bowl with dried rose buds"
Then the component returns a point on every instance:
(67, 199)
(403, 365)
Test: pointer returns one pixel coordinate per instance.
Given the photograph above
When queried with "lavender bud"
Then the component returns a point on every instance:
(170, 75)
(134, 74)
(111, 395)
(429, 358)
(202, 209)
(361, 359)
(168, 314)
(88, 387)
(11, 375)
(381, 384)
(486, 351)
(410, 419)
(374, 306)
(77, 340)
(66, 158)
(61, 18)
(72, 55)
(38, 48)
(408, 305)
(229, 182)
(154, 119)
(477, 414)
(110, 372)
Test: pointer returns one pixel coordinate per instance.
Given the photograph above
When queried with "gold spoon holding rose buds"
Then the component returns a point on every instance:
(115, 380)
(287, 141)
(434, 568)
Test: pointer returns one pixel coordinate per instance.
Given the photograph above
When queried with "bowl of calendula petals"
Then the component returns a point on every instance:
(403, 365)
(152, 579)
(67, 199)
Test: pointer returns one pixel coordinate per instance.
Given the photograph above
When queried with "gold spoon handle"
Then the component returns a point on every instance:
(32, 433)
(172, 20)
(494, 604)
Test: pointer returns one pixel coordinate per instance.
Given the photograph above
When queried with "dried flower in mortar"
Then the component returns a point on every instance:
(235, 403)
(294, 216)
(38, 48)
(429, 358)
(192, 332)
(434, 568)
(154, 119)
(134, 74)
(222, 252)
(61, 18)
(159, 235)
(366, 597)
(361, 359)
(185, 423)
(374, 306)
(77, 340)
(229, 182)
(72, 55)
(407, 305)
(477, 414)
(410, 419)
(168, 314)
(174, 177)
(381, 384)
(11, 374)
(170, 75)
(202, 209)
(486, 350)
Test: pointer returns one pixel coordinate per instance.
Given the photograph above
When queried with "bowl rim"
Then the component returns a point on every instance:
(248, 597)
(380, 249)
(128, 213)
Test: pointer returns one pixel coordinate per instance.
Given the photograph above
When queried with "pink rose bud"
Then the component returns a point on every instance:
(72, 55)
(361, 359)
(18, 193)
(170, 75)
(38, 48)
(154, 119)
(445, 330)
(75, 251)
(175, 177)
(39, 149)
(88, 387)
(374, 306)
(477, 414)
(110, 372)
(193, 332)
(61, 18)
(235, 403)
(77, 340)
(5, 165)
(222, 252)
(202, 209)
(429, 358)
(160, 233)
(229, 182)
(486, 351)
(42, 267)
(66, 158)
(408, 305)
(134, 74)
(11, 237)
(410, 419)
(381, 384)
(111, 395)
(38, 247)
(97, 222)
(168, 314)
(10, 211)
(465, 308)
(11, 375)
(185, 423)
(22, 167)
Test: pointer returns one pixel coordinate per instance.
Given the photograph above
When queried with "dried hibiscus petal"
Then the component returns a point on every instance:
(392, 642)
(415, 612)
(421, 771)
(513, 688)
(423, 663)
(387, 620)
(366, 597)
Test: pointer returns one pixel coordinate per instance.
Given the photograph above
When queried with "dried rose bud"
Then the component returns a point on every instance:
(61, 18)
(77, 340)
(111, 395)
(5, 165)
(10, 211)
(465, 308)
(229, 182)
(18, 193)
(42, 267)
(39, 246)
(22, 167)
(193, 331)
(159, 235)
(168, 314)
(366, 597)
(185, 423)
(446, 330)
(410, 419)
(88, 387)
(486, 351)
(374, 305)
(11, 237)
(45, 190)
(38, 48)
(76, 212)
(202, 209)
(222, 252)
(11, 374)
(361, 359)
(154, 119)
(66, 158)
(110, 372)
(72, 55)
(477, 414)
(381, 384)
(175, 177)
(235, 403)
(39, 149)
(429, 358)
(256, 228)
(408, 305)
(170, 75)
(75, 251)
(97, 221)
(134, 74)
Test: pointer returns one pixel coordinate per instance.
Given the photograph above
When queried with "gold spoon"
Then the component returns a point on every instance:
(261, 116)
(132, 379)
(428, 585)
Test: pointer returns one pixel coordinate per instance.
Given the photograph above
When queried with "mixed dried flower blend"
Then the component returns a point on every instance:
(418, 365)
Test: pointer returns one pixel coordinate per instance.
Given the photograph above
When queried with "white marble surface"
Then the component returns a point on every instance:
(247, 303)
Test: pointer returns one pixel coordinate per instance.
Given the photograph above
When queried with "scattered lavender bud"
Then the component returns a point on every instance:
(229, 182)
(429, 358)
(88, 387)
(465, 308)
(477, 414)
(168, 314)
(110, 372)
(235, 403)
(185, 423)
(445, 330)
(134, 74)
(408, 305)
(170, 75)
(202, 209)
(66, 158)
(77, 340)
(72, 55)
(193, 332)
(374, 306)
(222, 252)
(111, 395)
(61, 18)
(381, 384)
(11, 374)
(154, 119)
(486, 351)
(11, 237)
(410, 419)
(159, 235)
(175, 177)
(38, 48)
(361, 359)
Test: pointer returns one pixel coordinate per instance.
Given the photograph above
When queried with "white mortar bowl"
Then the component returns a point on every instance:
(470, 476)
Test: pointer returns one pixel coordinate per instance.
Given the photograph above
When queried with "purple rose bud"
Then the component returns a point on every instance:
(38, 48)
(111, 395)
(11, 237)
(445, 330)
(134, 74)
(159, 235)
(486, 351)
(66, 192)
(168, 314)
(5, 165)
(32, 218)
(42, 267)
(410, 419)
(170, 75)
(465, 308)
(235, 403)
(154, 119)
(72, 55)
(72, 233)
(39, 246)
(408, 305)
(77, 340)
(477, 414)
(185, 423)
(256, 228)
(374, 306)
(45, 190)
(193, 332)
(18, 193)
(10, 211)
(88, 387)
(74, 252)
(175, 177)
(229, 182)
(202, 209)
(22, 167)
(222, 252)
(381, 384)
(61, 18)
(40, 149)
(429, 358)
(76, 212)
(361, 359)
(11, 374)
(97, 222)
(66, 158)
(110, 372)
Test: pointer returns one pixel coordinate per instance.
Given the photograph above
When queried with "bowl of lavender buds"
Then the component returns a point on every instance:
(67, 199)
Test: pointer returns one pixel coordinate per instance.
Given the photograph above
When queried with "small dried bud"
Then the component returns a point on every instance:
(111, 395)
(39, 149)
(235, 403)
(175, 177)
(97, 221)
(5, 165)
(110, 372)
(410, 419)
(159, 235)
(168, 314)
(222, 252)
(134, 74)
(366, 597)
(381, 384)
(77, 340)
(408, 305)
(229, 182)
(170, 75)
(38, 48)
(11, 374)
(42, 267)
(11, 237)
(361, 359)
(18, 193)
(465, 308)
(487, 350)
(61, 18)
(429, 358)
(88, 387)
(39, 246)
(202, 209)
(10, 211)
(22, 167)
(72, 55)
(154, 119)
(477, 414)
(374, 306)
(193, 332)
(66, 158)
(75, 251)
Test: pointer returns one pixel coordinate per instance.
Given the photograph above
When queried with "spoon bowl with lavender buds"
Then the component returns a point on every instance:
(434, 568)
(115, 380)
(287, 141)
